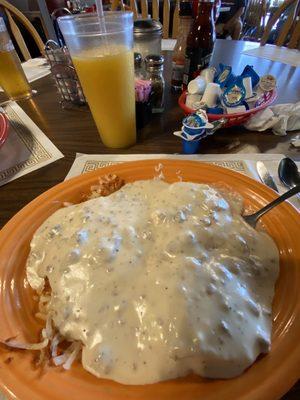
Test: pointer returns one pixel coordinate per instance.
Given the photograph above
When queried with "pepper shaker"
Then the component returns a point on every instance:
(154, 72)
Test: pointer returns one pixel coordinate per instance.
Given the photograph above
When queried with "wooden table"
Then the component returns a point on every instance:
(74, 131)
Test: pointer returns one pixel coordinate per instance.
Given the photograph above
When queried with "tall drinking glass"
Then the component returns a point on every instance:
(12, 77)
(101, 50)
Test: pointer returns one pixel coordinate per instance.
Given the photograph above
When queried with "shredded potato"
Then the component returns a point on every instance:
(107, 185)
(48, 347)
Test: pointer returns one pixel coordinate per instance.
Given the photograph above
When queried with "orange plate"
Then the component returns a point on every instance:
(269, 378)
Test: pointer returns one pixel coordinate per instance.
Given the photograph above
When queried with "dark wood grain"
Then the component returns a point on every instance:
(74, 131)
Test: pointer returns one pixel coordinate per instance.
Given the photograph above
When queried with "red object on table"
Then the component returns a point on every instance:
(55, 4)
(90, 9)
(3, 128)
(232, 119)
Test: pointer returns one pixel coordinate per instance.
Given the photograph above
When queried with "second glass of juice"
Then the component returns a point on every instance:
(12, 77)
(101, 50)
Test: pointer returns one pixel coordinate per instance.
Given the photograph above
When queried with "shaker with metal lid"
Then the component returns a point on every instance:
(154, 69)
(138, 70)
(147, 34)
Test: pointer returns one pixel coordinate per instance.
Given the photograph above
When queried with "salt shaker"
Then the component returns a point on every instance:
(154, 70)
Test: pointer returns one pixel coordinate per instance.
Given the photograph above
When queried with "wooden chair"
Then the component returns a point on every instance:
(290, 30)
(254, 20)
(12, 12)
(155, 13)
(32, 15)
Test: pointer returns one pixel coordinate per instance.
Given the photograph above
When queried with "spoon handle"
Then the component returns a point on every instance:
(279, 200)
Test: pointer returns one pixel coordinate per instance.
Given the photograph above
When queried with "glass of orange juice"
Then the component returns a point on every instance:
(12, 77)
(102, 53)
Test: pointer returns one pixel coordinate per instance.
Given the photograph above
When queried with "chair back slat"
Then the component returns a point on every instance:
(122, 6)
(114, 5)
(166, 18)
(292, 6)
(254, 20)
(175, 20)
(144, 9)
(13, 13)
(18, 37)
(155, 9)
(287, 25)
(133, 8)
(294, 42)
(155, 13)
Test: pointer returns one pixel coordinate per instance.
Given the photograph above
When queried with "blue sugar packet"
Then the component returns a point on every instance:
(249, 71)
(235, 94)
(223, 75)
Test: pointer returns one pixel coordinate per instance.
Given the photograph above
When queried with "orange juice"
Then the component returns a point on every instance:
(12, 77)
(108, 84)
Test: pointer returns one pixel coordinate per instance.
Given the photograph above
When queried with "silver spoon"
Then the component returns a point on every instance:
(288, 173)
(253, 218)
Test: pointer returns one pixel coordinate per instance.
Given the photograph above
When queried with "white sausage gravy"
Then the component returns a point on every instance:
(157, 281)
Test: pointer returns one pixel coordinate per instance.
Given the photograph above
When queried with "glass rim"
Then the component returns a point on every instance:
(95, 22)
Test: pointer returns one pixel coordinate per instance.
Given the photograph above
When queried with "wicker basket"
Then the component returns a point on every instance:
(233, 119)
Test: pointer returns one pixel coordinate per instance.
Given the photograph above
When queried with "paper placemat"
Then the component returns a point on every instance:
(275, 53)
(245, 164)
(35, 69)
(26, 149)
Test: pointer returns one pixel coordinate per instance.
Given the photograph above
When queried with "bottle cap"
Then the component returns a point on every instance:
(154, 62)
(267, 83)
(146, 27)
(185, 8)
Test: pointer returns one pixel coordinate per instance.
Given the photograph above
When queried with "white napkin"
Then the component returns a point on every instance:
(280, 118)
